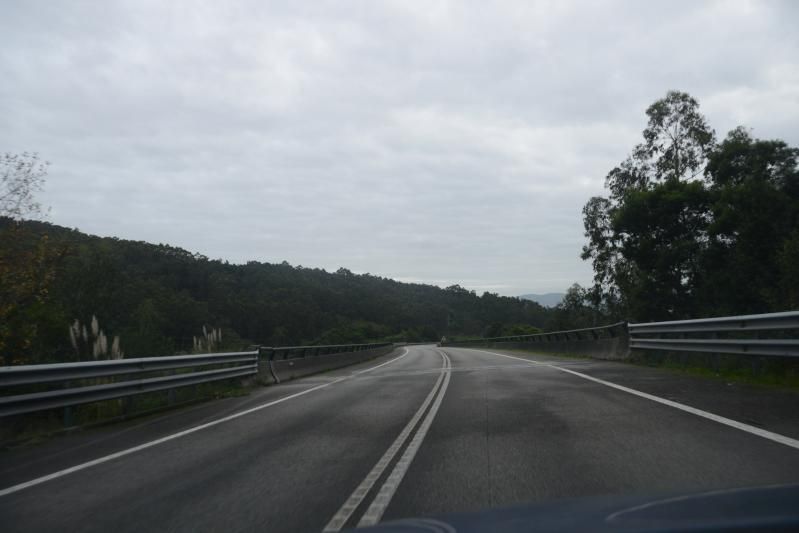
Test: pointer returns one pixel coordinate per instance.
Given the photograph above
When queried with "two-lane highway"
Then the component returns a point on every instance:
(422, 431)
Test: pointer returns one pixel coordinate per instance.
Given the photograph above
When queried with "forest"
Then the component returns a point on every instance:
(69, 296)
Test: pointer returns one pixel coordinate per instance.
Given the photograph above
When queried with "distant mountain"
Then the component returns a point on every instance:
(550, 299)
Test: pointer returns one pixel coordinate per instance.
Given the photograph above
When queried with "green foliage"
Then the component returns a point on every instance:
(359, 331)
(577, 310)
(27, 260)
(787, 295)
(676, 144)
(666, 244)
(28, 263)
(157, 299)
(755, 212)
(506, 330)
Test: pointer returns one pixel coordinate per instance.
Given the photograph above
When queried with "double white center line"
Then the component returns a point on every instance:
(389, 487)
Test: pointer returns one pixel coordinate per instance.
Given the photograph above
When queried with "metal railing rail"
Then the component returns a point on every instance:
(598, 332)
(124, 372)
(34, 374)
(129, 376)
(671, 335)
(762, 322)
(37, 401)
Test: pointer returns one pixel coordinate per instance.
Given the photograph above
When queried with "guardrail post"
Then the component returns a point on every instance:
(69, 414)
(69, 418)
(127, 406)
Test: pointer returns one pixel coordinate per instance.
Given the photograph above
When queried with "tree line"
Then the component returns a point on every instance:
(90, 297)
(691, 227)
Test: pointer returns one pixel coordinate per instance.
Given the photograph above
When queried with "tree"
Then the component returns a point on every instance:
(666, 244)
(603, 249)
(754, 185)
(787, 294)
(677, 141)
(577, 310)
(663, 234)
(27, 269)
(643, 238)
(21, 177)
(27, 261)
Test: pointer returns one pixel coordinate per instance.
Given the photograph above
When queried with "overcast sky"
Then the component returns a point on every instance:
(432, 141)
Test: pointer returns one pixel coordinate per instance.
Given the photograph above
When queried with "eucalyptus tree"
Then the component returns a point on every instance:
(643, 239)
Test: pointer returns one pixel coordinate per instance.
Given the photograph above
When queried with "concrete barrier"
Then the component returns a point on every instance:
(266, 375)
(276, 371)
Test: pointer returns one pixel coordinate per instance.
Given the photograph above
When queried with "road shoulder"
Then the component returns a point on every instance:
(763, 407)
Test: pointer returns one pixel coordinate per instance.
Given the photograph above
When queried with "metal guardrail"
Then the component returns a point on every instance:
(34, 374)
(72, 392)
(671, 336)
(700, 335)
(595, 333)
(763, 322)
(130, 376)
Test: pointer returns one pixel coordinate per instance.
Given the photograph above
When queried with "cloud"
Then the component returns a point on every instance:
(444, 142)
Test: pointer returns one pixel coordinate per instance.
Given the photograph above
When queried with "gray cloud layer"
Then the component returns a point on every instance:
(435, 141)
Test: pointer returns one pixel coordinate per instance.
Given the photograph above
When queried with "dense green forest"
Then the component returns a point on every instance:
(158, 299)
(692, 227)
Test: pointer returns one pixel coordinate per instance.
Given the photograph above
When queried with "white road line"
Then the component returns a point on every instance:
(122, 453)
(375, 511)
(383, 364)
(775, 437)
(357, 496)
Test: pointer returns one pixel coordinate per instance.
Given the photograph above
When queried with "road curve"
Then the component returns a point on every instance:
(421, 431)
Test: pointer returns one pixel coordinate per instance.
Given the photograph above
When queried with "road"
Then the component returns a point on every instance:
(421, 431)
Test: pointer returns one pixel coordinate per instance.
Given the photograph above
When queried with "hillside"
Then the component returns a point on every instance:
(158, 298)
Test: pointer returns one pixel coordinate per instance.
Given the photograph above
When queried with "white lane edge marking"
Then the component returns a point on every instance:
(348, 507)
(770, 435)
(61, 473)
(383, 364)
(383, 498)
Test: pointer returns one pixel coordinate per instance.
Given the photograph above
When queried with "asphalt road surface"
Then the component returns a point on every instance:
(421, 431)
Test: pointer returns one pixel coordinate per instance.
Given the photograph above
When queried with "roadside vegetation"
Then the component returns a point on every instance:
(691, 227)
(160, 300)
